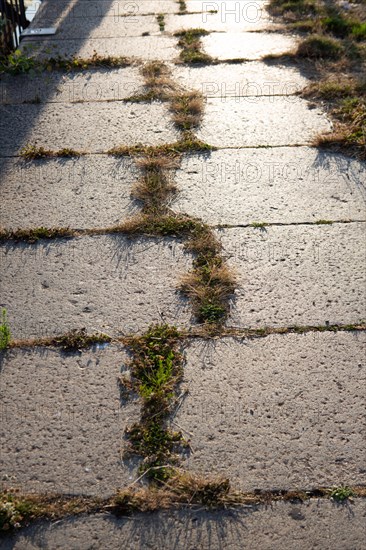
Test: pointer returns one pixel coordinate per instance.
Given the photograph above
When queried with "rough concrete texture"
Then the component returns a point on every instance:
(247, 45)
(71, 26)
(63, 421)
(83, 9)
(87, 126)
(315, 524)
(247, 79)
(297, 275)
(144, 48)
(88, 192)
(105, 283)
(277, 412)
(57, 87)
(224, 8)
(281, 185)
(261, 121)
(252, 18)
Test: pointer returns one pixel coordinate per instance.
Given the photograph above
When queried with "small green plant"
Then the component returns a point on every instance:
(17, 63)
(4, 330)
(211, 313)
(340, 494)
(259, 225)
(161, 21)
(182, 7)
(323, 222)
(190, 44)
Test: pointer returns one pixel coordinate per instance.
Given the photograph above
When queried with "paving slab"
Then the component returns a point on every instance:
(89, 192)
(87, 126)
(251, 79)
(71, 26)
(281, 185)
(104, 8)
(297, 275)
(63, 421)
(247, 45)
(104, 283)
(315, 524)
(283, 412)
(252, 18)
(57, 87)
(227, 8)
(261, 121)
(145, 48)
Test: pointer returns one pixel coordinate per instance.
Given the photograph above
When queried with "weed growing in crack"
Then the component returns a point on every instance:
(161, 21)
(340, 494)
(33, 235)
(5, 333)
(188, 144)
(187, 109)
(19, 63)
(156, 371)
(182, 7)
(153, 189)
(191, 47)
(32, 152)
(78, 339)
(158, 83)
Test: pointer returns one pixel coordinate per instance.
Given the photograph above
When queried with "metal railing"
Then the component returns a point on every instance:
(12, 22)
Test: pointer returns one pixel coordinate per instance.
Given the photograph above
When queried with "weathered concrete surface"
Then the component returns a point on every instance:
(83, 9)
(242, 8)
(139, 47)
(247, 79)
(277, 412)
(63, 423)
(253, 18)
(247, 45)
(106, 283)
(297, 275)
(261, 121)
(57, 87)
(315, 524)
(92, 191)
(89, 28)
(281, 185)
(87, 126)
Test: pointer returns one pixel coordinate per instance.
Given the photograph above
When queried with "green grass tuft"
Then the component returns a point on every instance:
(5, 333)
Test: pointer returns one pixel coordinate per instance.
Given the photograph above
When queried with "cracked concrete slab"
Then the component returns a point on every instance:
(57, 87)
(247, 79)
(145, 48)
(314, 524)
(261, 121)
(284, 412)
(87, 126)
(247, 45)
(109, 284)
(88, 192)
(252, 17)
(282, 185)
(63, 423)
(297, 275)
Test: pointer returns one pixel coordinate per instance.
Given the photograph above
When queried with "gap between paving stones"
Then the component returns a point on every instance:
(180, 226)
(186, 491)
(79, 339)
